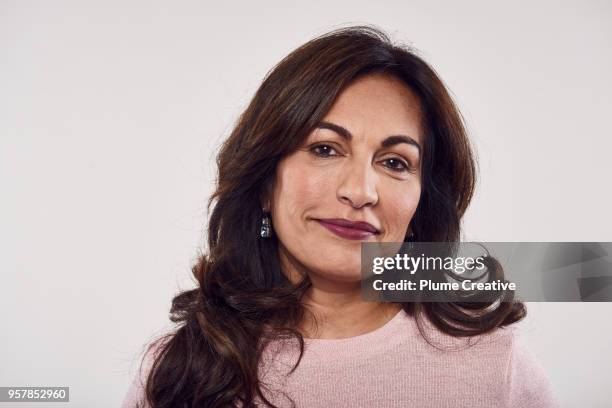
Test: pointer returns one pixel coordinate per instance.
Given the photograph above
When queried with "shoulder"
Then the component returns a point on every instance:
(135, 396)
(525, 381)
(506, 356)
(499, 364)
(528, 382)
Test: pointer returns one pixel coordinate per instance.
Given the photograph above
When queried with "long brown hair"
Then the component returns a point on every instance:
(242, 298)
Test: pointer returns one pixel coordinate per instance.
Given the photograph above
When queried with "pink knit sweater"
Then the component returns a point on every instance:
(394, 366)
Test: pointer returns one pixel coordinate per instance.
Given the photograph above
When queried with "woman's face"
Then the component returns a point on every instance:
(361, 163)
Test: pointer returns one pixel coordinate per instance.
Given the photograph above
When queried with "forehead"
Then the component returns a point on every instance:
(378, 105)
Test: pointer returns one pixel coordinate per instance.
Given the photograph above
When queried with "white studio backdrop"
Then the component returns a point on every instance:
(111, 113)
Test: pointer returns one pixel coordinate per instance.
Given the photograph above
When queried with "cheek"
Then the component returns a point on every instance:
(399, 210)
(296, 194)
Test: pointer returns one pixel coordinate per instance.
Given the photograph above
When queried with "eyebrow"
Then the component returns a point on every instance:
(387, 142)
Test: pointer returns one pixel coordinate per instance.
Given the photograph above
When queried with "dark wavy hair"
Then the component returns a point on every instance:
(243, 299)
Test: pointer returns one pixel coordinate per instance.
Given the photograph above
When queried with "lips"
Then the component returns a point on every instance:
(349, 229)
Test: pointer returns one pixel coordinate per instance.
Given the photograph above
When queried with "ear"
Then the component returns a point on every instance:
(265, 205)
(265, 197)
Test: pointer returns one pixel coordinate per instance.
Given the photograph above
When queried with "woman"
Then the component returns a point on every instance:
(349, 139)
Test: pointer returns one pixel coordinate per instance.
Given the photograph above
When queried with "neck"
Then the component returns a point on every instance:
(336, 308)
(337, 315)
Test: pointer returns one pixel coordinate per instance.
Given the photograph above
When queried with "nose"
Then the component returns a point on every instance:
(358, 186)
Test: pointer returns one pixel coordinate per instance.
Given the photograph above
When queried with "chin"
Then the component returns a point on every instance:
(341, 272)
(349, 277)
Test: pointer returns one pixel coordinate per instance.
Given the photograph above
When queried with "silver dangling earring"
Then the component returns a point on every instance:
(266, 227)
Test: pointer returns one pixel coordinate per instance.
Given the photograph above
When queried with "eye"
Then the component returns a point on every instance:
(322, 150)
(398, 165)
